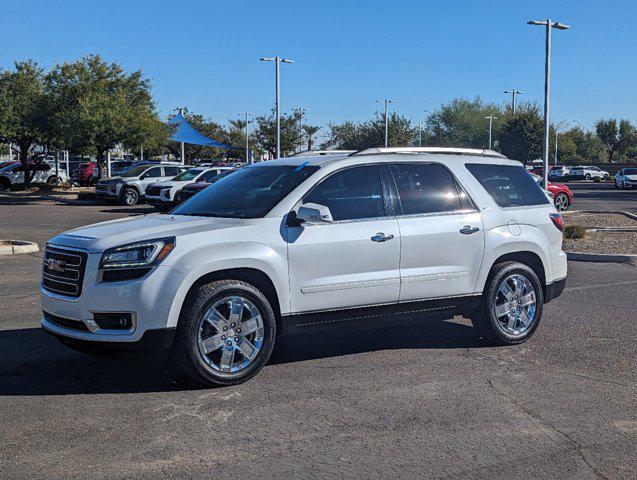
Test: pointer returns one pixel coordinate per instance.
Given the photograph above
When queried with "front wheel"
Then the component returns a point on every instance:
(226, 333)
(511, 306)
(587, 176)
(561, 202)
(130, 196)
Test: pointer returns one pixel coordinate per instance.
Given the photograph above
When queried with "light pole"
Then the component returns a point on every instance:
(277, 61)
(491, 118)
(513, 93)
(549, 24)
(182, 147)
(248, 158)
(300, 111)
(420, 130)
(387, 102)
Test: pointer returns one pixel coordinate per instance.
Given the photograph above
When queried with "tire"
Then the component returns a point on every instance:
(606, 177)
(5, 184)
(130, 196)
(587, 176)
(491, 327)
(561, 202)
(210, 368)
(52, 181)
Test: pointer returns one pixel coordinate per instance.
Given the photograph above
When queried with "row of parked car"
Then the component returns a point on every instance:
(162, 185)
(579, 172)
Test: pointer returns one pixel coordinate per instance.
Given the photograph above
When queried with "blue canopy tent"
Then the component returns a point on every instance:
(186, 133)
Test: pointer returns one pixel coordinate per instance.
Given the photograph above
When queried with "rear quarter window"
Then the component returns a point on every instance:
(508, 185)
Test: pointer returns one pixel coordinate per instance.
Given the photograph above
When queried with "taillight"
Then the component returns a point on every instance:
(558, 221)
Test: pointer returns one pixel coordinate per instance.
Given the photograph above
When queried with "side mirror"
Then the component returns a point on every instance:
(314, 213)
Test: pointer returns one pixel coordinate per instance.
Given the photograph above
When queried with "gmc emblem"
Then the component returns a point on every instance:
(54, 265)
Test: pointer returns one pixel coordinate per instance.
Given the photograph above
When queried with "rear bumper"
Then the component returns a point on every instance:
(554, 290)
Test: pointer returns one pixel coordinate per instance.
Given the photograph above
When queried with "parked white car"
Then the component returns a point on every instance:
(306, 242)
(626, 178)
(588, 173)
(45, 173)
(129, 187)
(161, 195)
(558, 172)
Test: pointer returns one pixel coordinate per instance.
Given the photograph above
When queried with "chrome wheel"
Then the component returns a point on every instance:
(561, 202)
(515, 305)
(130, 196)
(230, 334)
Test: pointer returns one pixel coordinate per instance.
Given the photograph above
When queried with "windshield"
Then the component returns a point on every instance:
(630, 171)
(135, 172)
(250, 192)
(188, 175)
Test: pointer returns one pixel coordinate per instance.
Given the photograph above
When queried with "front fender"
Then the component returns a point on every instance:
(204, 260)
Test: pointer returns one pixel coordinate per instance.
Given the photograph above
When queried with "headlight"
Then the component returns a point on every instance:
(146, 253)
(165, 192)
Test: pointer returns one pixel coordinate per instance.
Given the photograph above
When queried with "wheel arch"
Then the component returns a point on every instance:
(525, 257)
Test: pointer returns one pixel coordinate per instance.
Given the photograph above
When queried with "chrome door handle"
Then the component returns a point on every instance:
(468, 230)
(381, 237)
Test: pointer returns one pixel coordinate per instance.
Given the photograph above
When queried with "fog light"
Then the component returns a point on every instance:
(114, 321)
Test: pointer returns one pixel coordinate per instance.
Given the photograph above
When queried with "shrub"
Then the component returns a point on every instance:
(574, 232)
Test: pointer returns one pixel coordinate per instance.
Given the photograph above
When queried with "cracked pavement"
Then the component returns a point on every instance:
(422, 401)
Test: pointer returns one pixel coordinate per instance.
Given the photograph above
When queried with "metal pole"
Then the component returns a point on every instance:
(547, 92)
(513, 102)
(141, 152)
(11, 152)
(420, 133)
(277, 61)
(108, 163)
(247, 147)
(490, 117)
(68, 166)
(556, 146)
(386, 125)
(57, 167)
(183, 148)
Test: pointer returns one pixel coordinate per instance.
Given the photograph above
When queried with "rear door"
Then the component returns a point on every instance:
(442, 238)
(354, 260)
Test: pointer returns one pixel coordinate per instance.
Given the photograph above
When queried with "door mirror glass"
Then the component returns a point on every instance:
(314, 213)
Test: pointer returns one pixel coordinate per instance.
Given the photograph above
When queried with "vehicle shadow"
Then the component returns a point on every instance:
(34, 363)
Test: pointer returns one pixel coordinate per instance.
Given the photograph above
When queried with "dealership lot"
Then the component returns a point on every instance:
(419, 400)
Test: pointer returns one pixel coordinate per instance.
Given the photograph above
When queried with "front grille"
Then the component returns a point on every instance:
(154, 191)
(65, 322)
(63, 271)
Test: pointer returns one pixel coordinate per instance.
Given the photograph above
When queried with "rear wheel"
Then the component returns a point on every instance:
(511, 306)
(561, 202)
(5, 184)
(52, 181)
(587, 176)
(130, 196)
(225, 334)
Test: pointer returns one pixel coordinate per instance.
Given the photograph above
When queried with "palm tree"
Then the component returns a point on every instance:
(310, 131)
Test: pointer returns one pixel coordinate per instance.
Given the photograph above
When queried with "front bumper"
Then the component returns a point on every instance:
(151, 341)
(111, 191)
(148, 300)
(158, 201)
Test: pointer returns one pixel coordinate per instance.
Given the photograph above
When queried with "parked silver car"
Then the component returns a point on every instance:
(129, 188)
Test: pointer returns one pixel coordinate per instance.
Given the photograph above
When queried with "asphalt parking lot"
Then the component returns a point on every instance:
(421, 401)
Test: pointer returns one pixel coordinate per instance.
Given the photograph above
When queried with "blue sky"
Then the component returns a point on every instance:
(204, 54)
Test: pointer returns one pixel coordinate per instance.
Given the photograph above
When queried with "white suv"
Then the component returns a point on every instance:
(14, 175)
(588, 173)
(304, 242)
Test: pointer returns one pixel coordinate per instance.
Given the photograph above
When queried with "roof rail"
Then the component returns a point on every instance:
(318, 153)
(437, 150)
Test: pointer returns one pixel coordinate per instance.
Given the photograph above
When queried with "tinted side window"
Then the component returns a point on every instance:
(509, 185)
(171, 171)
(351, 194)
(153, 172)
(427, 188)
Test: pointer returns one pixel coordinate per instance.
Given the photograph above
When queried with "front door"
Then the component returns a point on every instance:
(352, 261)
(441, 233)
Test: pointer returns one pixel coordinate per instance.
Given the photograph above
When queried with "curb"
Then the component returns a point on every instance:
(19, 246)
(601, 257)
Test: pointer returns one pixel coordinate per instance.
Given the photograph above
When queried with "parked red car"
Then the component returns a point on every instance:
(562, 195)
(82, 174)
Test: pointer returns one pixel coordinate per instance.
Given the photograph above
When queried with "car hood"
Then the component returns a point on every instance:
(169, 183)
(100, 236)
(197, 186)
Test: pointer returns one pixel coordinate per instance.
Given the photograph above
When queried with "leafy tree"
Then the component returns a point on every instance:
(617, 139)
(310, 132)
(462, 123)
(97, 105)
(521, 136)
(369, 134)
(265, 133)
(24, 119)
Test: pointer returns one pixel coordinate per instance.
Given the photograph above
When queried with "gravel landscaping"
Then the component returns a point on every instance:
(616, 243)
(596, 220)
